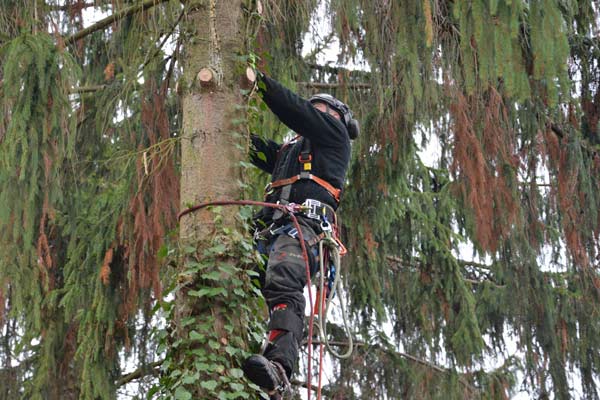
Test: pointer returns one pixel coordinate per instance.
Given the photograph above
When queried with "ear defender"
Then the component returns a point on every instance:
(353, 129)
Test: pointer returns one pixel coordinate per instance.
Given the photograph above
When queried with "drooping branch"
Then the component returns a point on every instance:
(462, 263)
(395, 353)
(485, 269)
(167, 36)
(103, 23)
(585, 144)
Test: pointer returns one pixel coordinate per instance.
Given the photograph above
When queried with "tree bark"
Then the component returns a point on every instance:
(210, 164)
(210, 158)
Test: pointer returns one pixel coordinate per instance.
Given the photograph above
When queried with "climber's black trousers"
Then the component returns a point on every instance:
(283, 289)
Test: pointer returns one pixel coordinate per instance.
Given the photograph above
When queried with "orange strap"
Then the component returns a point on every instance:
(326, 185)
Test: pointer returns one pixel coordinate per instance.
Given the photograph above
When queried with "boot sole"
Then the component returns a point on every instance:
(259, 371)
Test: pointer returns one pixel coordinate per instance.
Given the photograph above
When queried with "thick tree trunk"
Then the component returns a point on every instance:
(210, 170)
(210, 156)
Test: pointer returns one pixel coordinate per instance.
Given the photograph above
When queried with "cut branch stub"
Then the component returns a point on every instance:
(248, 80)
(250, 74)
(259, 7)
(207, 77)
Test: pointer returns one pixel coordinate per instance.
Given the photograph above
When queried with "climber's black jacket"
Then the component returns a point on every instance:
(330, 145)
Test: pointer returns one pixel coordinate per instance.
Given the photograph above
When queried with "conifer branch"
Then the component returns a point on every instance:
(148, 369)
(336, 70)
(585, 144)
(167, 36)
(322, 85)
(462, 263)
(103, 23)
(407, 356)
(321, 45)
(87, 89)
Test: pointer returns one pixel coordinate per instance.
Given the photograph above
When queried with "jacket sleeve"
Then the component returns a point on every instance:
(300, 116)
(263, 153)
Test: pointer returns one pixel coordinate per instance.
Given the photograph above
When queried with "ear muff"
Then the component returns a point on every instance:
(353, 129)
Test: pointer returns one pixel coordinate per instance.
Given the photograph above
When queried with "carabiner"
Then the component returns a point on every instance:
(326, 227)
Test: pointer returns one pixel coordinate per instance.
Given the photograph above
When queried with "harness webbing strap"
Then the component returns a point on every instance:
(305, 159)
(326, 185)
(284, 200)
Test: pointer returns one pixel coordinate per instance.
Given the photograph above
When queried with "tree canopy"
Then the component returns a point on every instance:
(473, 270)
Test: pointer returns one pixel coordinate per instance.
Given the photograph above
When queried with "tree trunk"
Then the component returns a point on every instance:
(208, 325)
(210, 158)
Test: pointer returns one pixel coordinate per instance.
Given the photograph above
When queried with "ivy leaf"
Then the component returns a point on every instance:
(194, 335)
(208, 292)
(189, 379)
(182, 394)
(236, 373)
(213, 276)
(209, 385)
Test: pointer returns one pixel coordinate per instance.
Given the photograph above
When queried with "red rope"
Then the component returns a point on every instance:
(289, 211)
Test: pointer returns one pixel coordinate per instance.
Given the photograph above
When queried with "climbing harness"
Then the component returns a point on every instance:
(329, 246)
(305, 159)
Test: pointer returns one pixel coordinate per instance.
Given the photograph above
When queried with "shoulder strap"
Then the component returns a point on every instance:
(305, 157)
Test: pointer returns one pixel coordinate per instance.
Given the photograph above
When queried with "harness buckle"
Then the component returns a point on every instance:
(305, 158)
(314, 209)
(293, 233)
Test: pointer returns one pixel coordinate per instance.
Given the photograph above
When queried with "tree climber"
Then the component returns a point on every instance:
(310, 170)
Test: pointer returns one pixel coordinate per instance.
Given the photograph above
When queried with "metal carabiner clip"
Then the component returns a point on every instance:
(326, 226)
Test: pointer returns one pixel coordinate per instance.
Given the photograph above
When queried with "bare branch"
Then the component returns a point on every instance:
(103, 23)
(320, 85)
(149, 369)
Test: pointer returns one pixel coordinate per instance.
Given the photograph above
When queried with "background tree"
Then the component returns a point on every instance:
(100, 122)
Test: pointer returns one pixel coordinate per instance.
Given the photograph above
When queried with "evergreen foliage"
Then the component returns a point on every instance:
(89, 189)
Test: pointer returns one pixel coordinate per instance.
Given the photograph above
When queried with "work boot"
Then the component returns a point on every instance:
(269, 375)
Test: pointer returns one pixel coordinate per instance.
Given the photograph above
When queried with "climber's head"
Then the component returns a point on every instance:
(328, 104)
